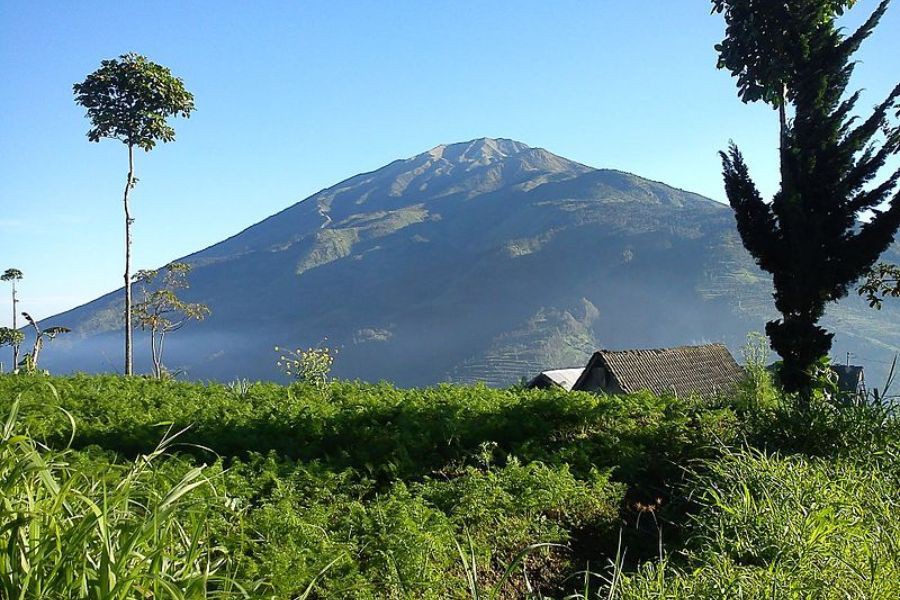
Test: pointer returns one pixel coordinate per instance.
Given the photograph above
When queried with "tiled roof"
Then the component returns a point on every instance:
(704, 371)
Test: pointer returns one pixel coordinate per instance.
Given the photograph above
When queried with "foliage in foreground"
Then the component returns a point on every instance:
(786, 527)
(351, 490)
(127, 532)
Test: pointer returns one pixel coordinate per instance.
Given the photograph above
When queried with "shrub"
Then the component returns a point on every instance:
(757, 389)
(309, 366)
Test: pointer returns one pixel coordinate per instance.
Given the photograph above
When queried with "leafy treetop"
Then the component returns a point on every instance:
(10, 336)
(765, 41)
(130, 98)
(161, 309)
(11, 275)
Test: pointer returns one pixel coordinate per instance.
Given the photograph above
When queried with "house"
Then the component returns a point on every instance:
(704, 371)
(564, 378)
(851, 380)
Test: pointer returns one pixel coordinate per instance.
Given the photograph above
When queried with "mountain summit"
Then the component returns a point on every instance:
(484, 260)
(482, 151)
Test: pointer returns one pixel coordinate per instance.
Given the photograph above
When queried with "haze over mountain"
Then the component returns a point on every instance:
(486, 260)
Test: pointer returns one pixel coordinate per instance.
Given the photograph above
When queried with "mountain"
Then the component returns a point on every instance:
(486, 260)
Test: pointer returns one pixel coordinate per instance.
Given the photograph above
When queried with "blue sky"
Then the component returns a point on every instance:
(293, 97)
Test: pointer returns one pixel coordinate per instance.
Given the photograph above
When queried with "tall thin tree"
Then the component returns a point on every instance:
(13, 275)
(129, 99)
(810, 237)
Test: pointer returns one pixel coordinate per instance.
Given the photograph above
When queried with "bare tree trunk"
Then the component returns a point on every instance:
(38, 344)
(155, 351)
(159, 353)
(129, 353)
(15, 347)
(36, 353)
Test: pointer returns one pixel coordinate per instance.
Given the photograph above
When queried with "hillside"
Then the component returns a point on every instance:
(484, 260)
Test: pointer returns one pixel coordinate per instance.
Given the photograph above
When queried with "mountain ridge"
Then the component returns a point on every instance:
(469, 261)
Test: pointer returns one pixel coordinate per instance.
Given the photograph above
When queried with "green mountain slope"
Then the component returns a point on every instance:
(484, 260)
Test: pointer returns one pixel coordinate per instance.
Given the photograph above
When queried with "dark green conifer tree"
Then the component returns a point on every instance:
(810, 237)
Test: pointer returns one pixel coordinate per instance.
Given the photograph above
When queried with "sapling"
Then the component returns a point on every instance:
(161, 311)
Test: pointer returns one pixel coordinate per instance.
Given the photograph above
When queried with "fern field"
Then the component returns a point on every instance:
(132, 488)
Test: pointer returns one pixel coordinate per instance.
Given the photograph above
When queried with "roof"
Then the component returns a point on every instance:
(704, 371)
(564, 378)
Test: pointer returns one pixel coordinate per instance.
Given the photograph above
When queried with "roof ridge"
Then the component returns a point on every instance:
(669, 349)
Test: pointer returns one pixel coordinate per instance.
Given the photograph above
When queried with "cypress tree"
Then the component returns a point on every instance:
(810, 236)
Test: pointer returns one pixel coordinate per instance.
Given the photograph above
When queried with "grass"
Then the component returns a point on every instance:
(129, 532)
(776, 526)
(368, 491)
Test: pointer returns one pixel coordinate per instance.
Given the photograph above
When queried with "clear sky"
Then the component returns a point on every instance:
(293, 97)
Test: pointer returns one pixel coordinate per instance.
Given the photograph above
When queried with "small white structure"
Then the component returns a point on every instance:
(564, 378)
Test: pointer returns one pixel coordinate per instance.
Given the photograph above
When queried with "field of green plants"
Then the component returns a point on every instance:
(137, 488)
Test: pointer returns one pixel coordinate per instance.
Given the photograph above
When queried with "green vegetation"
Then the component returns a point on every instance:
(350, 490)
(787, 527)
(13, 338)
(881, 281)
(814, 237)
(78, 529)
(307, 366)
